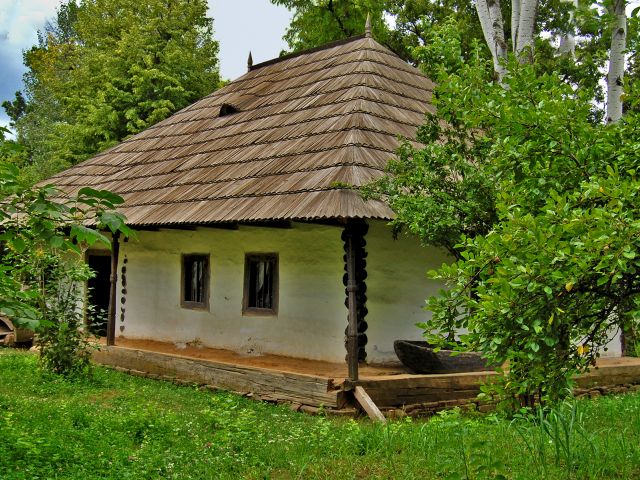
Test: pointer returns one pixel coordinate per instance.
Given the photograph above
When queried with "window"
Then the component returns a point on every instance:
(261, 284)
(195, 281)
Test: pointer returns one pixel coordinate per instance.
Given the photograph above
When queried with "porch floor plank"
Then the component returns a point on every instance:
(318, 383)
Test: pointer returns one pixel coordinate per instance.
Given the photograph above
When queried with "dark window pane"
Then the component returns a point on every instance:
(261, 272)
(195, 278)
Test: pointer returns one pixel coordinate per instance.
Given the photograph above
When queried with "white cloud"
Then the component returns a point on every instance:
(247, 25)
(21, 19)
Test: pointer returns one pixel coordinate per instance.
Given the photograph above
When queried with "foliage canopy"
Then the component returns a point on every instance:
(107, 69)
(43, 237)
(545, 282)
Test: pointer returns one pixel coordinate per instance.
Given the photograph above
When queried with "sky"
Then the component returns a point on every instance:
(240, 26)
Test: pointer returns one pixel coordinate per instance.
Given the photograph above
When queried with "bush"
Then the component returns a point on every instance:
(42, 272)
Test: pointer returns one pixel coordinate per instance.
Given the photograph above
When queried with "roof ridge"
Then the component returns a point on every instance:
(319, 48)
(245, 78)
(409, 69)
(352, 72)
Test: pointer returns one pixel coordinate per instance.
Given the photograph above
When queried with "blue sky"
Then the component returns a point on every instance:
(240, 26)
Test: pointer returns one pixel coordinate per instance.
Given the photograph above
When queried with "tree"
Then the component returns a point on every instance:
(43, 237)
(15, 109)
(316, 23)
(535, 30)
(546, 280)
(615, 74)
(559, 272)
(107, 69)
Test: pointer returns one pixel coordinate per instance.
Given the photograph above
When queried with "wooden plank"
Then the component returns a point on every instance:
(369, 406)
(402, 390)
(607, 375)
(300, 388)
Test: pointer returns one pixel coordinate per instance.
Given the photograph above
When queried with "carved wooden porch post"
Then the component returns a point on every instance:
(111, 320)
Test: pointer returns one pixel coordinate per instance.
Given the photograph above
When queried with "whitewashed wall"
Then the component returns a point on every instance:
(614, 347)
(311, 314)
(397, 287)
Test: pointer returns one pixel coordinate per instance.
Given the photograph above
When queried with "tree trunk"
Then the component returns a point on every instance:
(490, 17)
(568, 40)
(515, 21)
(524, 45)
(616, 61)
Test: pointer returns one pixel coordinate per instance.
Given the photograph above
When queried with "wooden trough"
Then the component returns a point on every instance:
(11, 335)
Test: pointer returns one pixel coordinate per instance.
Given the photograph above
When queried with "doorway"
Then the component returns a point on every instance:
(98, 292)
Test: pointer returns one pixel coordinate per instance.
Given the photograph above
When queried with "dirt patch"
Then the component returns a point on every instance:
(104, 397)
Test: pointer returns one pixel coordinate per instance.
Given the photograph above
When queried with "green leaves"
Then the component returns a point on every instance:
(557, 267)
(97, 77)
(88, 236)
(92, 197)
(42, 243)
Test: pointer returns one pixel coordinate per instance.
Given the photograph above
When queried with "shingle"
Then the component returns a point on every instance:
(306, 125)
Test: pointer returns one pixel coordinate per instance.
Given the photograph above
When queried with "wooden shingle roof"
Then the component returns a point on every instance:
(278, 143)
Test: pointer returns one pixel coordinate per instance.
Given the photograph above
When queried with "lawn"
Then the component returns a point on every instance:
(118, 426)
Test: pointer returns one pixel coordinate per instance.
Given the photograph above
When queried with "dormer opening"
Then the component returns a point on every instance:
(227, 109)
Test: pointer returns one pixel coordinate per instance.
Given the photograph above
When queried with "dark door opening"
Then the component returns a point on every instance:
(99, 288)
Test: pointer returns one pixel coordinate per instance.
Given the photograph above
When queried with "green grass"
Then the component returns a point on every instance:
(117, 426)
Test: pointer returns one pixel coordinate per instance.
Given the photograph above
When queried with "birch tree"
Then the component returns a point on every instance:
(568, 40)
(523, 22)
(615, 74)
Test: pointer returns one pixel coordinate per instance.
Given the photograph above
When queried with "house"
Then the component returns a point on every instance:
(246, 227)
(248, 239)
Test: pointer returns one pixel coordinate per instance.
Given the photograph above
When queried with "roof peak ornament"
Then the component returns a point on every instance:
(367, 26)
(249, 62)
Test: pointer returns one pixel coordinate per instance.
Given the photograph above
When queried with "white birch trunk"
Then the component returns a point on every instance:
(568, 40)
(485, 22)
(515, 21)
(498, 28)
(616, 62)
(493, 29)
(523, 47)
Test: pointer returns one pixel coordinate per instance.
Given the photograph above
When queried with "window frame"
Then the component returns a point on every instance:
(257, 311)
(206, 280)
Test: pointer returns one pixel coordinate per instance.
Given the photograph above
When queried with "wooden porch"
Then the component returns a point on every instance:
(310, 384)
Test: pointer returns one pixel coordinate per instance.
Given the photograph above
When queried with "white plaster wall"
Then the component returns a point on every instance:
(311, 313)
(397, 287)
(614, 347)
